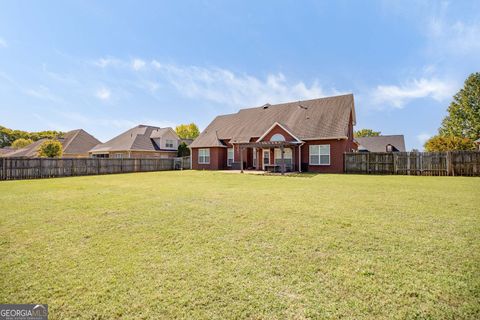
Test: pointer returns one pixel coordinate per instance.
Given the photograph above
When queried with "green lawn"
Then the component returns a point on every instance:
(212, 245)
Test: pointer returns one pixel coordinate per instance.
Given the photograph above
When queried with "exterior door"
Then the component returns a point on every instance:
(266, 158)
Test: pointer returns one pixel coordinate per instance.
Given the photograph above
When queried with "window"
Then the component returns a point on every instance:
(277, 137)
(230, 157)
(203, 156)
(118, 155)
(169, 143)
(320, 154)
(287, 156)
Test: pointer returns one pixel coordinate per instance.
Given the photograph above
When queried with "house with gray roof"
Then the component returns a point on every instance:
(386, 143)
(309, 135)
(75, 143)
(141, 141)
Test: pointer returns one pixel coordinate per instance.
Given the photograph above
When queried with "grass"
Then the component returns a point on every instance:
(206, 245)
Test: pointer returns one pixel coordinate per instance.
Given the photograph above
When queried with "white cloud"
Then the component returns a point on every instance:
(138, 64)
(103, 94)
(107, 62)
(423, 137)
(43, 93)
(454, 37)
(398, 95)
(226, 87)
(3, 43)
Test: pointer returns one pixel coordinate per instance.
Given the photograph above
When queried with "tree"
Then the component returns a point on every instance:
(50, 149)
(21, 143)
(187, 131)
(8, 136)
(183, 150)
(463, 118)
(366, 133)
(448, 143)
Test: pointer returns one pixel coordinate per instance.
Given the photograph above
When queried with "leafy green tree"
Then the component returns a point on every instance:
(366, 133)
(448, 143)
(21, 143)
(8, 136)
(187, 131)
(463, 118)
(50, 149)
(183, 150)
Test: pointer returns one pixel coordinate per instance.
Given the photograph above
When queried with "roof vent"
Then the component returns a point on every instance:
(303, 107)
(266, 105)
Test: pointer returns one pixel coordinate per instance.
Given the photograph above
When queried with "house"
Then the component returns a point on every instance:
(76, 144)
(140, 142)
(390, 143)
(477, 143)
(309, 135)
(5, 150)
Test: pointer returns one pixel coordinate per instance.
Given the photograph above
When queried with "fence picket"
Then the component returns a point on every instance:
(464, 163)
(25, 168)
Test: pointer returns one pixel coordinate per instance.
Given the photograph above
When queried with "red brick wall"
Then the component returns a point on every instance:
(337, 148)
(218, 159)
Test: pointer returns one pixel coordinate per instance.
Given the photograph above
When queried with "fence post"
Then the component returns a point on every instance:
(449, 163)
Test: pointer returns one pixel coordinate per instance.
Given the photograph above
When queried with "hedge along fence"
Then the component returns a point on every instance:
(452, 163)
(34, 168)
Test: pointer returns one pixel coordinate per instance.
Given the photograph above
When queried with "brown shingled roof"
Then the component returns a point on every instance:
(379, 144)
(74, 142)
(309, 119)
(78, 142)
(139, 138)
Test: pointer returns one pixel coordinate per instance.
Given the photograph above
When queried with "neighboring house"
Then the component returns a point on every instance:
(477, 142)
(5, 150)
(313, 135)
(76, 144)
(391, 143)
(140, 142)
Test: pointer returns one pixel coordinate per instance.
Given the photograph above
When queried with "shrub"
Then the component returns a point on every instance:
(448, 143)
(50, 149)
(21, 143)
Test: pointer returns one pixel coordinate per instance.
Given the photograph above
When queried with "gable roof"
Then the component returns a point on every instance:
(78, 142)
(74, 142)
(309, 119)
(139, 138)
(379, 144)
(29, 151)
(6, 150)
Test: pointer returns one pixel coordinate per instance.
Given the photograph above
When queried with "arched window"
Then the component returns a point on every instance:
(277, 137)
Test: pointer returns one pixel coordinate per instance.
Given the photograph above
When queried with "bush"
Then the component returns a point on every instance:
(183, 150)
(448, 143)
(21, 143)
(50, 149)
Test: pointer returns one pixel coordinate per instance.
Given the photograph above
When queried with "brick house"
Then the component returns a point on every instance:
(309, 135)
(140, 142)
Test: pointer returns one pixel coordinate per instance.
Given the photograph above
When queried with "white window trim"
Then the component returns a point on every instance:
(167, 143)
(319, 155)
(233, 156)
(204, 156)
(118, 155)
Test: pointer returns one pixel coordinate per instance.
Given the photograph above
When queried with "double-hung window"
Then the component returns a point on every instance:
(320, 154)
(230, 157)
(203, 156)
(169, 143)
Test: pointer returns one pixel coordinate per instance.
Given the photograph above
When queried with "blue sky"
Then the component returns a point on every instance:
(106, 66)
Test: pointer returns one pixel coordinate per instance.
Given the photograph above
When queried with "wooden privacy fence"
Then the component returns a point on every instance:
(452, 163)
(23, 168)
